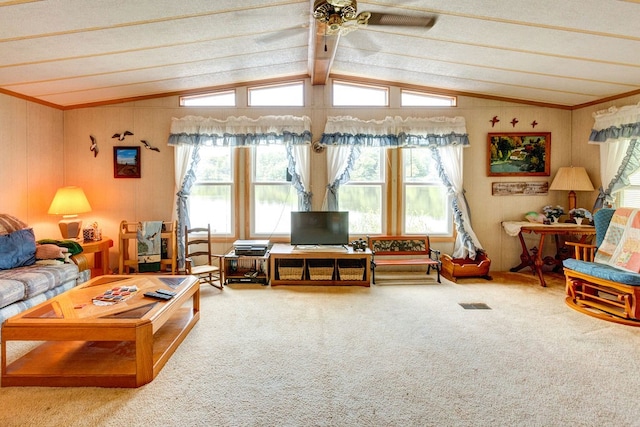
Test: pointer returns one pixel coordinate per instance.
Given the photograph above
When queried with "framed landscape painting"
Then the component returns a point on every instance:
(519, 154)
(126, 162)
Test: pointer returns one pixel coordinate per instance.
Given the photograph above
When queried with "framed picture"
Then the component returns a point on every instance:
(126, 162)
(519, 154)
(519, 188)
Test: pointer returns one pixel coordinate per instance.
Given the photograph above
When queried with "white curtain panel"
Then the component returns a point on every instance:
(616, 131)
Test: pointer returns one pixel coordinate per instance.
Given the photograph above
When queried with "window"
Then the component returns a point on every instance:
(363, 195)
(211, 200)
(630, 196)
(284, 95)
(273, 196)
(426, 205)
(351, 94)
(215, 99)
(410, 98)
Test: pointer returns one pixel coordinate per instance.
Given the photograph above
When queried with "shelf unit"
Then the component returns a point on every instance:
(240, 268)
(290, 265)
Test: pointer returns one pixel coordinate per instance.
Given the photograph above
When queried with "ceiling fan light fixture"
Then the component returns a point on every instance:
(334, 23)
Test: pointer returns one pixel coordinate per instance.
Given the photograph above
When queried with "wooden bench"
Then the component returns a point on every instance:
(403, 251)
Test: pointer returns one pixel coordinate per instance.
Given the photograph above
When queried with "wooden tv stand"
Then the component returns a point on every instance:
(293, 265)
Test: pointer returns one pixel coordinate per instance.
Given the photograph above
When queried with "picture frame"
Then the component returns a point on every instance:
(520, 188)
(519, 154)
(126, 162)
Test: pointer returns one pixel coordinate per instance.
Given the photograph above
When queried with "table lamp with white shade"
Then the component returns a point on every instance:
(69, 202)
(572, 179)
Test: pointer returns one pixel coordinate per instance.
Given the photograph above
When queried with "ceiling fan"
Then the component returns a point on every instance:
(341, 17)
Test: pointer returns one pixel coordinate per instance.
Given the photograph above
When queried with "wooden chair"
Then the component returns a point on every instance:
(197, 245)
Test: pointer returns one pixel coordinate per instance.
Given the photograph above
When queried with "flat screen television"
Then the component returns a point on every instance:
(320, 228)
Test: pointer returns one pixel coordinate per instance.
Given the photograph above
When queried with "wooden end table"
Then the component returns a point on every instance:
(121, 345)
(100, 249)
(533, 258)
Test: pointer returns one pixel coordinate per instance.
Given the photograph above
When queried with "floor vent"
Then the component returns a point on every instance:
(475, 306)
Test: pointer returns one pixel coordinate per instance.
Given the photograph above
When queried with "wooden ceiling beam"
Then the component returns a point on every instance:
(322, 51)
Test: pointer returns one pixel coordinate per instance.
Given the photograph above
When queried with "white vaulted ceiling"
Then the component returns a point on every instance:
(79, 52)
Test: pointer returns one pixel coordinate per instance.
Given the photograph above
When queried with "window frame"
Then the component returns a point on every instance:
(295, 83)
(184, 98)
(453, 99)
(449, 234)
(233, 192)
(383, 88)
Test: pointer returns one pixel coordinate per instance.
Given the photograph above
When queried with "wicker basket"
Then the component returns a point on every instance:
(350, 270)
(290, 269)
(321, 269)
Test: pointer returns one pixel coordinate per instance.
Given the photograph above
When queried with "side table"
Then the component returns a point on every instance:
(534, 258)
(100, 249)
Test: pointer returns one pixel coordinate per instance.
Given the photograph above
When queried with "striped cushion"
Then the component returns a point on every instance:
(9, 224)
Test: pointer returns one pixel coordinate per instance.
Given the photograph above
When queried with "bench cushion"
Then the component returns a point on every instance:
(603, 271)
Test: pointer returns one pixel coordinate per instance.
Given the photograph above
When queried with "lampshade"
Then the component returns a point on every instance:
(69, 202)
(572, 179)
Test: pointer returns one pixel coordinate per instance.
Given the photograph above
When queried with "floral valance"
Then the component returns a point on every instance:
(240, 131)
(615, 123)
(395, 131)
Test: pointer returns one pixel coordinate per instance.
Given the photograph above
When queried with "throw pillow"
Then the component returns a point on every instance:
(17, 249)
(49, 251)
(9, 224)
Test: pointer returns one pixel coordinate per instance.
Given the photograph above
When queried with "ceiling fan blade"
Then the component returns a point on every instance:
(401, 20)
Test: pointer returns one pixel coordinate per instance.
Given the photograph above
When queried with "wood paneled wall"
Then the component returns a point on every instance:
(42, 148)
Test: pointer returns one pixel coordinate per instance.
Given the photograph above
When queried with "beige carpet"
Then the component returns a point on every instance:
(402, 353)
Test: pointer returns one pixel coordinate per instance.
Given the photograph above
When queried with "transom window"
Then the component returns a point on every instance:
(287, 95)
(410, 98)
(352, 94)
(216, 99)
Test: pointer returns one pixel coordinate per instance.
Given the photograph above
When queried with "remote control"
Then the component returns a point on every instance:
(166, 292)
(156, 295)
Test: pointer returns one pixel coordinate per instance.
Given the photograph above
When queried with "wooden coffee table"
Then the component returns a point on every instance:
(121, 345)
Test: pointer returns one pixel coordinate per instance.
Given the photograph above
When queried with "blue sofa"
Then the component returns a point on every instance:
(601, 289)
(26, 281)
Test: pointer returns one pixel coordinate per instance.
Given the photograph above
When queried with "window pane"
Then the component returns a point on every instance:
(419, 166)
(273, 195)
(420, 99)
(291, 94)
(426, 210)
(219, 99)
(368, 167)
(345, 94)
(211, 200)
(364, 203)
(272, 209)
(271, 163)
(211, 204)
(214, 165)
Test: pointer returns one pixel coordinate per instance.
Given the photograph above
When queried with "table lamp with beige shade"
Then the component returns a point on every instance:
(571, 179)
(69, 202)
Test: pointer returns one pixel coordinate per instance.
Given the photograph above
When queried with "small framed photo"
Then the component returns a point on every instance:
(519, 154)
(126, 162)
